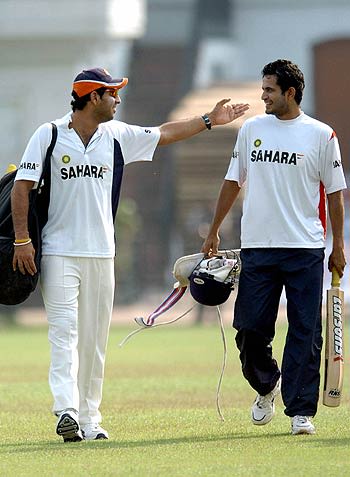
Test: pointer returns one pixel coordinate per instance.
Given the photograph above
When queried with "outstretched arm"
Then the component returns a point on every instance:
(336, 214)
(228, 194)
(222, 113)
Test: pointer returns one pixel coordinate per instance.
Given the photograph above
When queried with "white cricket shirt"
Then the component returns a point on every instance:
(85, 182)
(283, 165)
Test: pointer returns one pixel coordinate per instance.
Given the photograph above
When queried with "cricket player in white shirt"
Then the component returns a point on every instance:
(78, 246)
(290, 163)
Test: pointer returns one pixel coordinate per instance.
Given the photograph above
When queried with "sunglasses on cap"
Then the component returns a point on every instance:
(112, 92)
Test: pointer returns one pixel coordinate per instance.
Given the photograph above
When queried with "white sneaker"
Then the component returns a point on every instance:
(94, 432)
(68, 426)
(263, 408)
(302, 425)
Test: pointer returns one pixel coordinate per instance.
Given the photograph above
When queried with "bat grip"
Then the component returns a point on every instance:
(335, 278)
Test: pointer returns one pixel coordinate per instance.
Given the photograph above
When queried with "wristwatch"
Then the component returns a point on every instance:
(207, 121)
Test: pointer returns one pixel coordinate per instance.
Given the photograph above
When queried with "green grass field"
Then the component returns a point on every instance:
(159, 408)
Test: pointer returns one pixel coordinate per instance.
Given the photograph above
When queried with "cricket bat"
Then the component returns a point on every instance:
(334, 361)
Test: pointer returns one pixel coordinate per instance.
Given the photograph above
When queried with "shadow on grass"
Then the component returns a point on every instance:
(144, 443)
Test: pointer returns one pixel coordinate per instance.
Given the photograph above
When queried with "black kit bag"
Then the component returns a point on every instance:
(15, 287)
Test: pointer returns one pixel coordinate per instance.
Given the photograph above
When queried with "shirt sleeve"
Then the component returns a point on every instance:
(137, 143)
(331, 169)
(237, 170)
(31, 164)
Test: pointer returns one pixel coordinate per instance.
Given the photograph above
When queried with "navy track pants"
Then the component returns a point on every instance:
(264, 274)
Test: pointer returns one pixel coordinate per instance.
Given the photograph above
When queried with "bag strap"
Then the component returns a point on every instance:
(47, 160)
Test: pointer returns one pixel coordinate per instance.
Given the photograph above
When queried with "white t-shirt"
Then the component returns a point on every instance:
(85, 182)
(286, 167)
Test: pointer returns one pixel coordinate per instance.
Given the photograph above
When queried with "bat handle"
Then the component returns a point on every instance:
(335, 278)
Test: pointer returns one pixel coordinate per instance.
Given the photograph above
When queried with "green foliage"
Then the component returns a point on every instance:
(127, 227)
(159, 408)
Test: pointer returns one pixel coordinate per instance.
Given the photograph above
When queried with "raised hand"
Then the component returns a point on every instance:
(224, 113)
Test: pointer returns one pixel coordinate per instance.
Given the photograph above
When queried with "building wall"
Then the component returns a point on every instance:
(262, 31)
(333, 103)
(43, 45)
(270, 29)
(265, 31)
(169, 22)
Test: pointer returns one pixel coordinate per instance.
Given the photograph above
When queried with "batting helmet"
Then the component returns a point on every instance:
(212, 281)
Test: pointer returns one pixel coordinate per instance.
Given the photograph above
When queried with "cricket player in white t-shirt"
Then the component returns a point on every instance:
(78, 247)
(290, 163)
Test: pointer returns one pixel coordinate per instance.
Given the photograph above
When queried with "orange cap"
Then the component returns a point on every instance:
(95, 78)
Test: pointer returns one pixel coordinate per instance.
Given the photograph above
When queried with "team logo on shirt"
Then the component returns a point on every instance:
(277, 157)
(65, 159)
(29, 166)
(83, 170)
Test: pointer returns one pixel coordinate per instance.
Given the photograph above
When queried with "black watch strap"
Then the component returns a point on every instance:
(207, 121)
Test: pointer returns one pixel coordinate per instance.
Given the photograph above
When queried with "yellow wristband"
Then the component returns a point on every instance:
(22, 243)
(22, 240)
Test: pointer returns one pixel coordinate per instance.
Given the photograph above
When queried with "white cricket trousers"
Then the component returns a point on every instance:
(78, 295)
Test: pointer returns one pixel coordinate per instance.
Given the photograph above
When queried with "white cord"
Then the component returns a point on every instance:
(223, 365)
(223, 336)
(155, 326)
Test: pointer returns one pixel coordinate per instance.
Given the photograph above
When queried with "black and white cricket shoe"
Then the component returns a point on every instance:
(68, 426)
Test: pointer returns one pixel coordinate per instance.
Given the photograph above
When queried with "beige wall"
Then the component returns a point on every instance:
(43, 45)
(332, 100)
